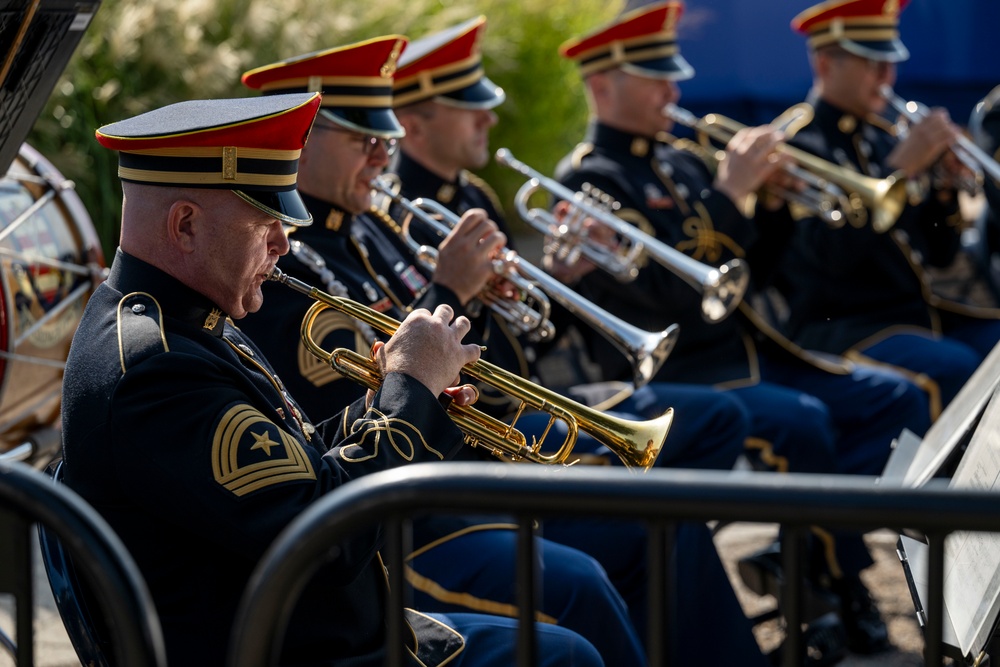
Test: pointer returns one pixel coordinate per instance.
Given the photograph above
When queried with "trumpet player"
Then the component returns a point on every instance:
(854, 292)
(807, 413)
(447, 119)
(178, 431)
(460, 564)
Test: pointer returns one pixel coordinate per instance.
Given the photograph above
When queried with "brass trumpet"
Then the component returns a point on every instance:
(646, 350)
(637, 444)
(830, 187)
(722, 288)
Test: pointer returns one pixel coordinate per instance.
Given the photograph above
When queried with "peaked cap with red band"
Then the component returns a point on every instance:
(248, 145)
(866, 28)
(643, 42)
(447, 66)
(355, 80)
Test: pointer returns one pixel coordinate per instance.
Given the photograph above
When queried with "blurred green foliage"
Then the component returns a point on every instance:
(138, 55)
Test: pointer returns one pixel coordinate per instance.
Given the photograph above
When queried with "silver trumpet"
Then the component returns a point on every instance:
(974, 158)
(722, 288)
(646, 350)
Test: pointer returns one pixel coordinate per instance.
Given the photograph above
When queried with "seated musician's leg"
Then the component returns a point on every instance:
(475, 571)
(981, 335)
(946, 362)
(869, 407)
(709, 427)
(491, 641)
(796, 433)
(708, 613)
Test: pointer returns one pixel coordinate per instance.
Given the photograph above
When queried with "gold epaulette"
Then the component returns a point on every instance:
(581, 151)
(487, 190)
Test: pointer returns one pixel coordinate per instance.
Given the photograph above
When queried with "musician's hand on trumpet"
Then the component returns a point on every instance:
(752, 162)
(925, 143)
(465, 256)
(428, 347)
(568, 265)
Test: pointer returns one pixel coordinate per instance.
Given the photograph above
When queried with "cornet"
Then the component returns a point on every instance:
(646, 350)
(968, 153)
(721, 288)
(831, 191)
(636, 443)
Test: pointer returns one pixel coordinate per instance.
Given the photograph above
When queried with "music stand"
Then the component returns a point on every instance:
(37, 39)
(972, 575)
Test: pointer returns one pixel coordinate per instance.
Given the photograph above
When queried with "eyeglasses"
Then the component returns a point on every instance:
(369, 142)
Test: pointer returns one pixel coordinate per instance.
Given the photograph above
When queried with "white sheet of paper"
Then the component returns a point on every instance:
(972, 560)
(954, 421)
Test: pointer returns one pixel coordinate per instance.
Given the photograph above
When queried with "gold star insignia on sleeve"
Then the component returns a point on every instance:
(263, 441)
(236, 463)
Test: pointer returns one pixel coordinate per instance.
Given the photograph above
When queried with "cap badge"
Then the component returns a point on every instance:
(837, 28)
(891, 8)
(670, 20)
(229, 163)
(389, 68)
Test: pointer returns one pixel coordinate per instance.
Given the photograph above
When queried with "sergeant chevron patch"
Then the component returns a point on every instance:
(250, 452)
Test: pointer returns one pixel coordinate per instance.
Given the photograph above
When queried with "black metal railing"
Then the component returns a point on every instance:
(659, 497)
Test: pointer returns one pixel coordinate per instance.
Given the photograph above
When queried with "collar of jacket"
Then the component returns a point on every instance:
(327, 216)
(419, 181)
(176, 300)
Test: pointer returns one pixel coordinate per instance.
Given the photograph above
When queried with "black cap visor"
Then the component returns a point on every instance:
(889, 50)
(674, 67)
(286, 206)
(378, 122)
(483, 94)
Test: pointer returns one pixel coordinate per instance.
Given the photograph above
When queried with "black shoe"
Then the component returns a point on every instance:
(866, 631)
(763, 574)
(825, 643)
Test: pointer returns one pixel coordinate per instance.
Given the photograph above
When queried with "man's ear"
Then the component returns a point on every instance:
(597, 85)
(411, 125)
(821, 63)
(182, 219)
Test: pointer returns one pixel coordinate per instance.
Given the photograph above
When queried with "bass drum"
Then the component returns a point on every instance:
(51, 262)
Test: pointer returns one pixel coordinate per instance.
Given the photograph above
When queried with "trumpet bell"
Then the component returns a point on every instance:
(723, 289)
(889, 196)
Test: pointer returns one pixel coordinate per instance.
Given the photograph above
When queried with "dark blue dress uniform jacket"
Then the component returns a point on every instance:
(666, 192)
(179, 433)
(849, 287)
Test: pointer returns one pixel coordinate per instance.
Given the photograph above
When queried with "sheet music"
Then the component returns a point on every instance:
(972, 560)
(954, 423)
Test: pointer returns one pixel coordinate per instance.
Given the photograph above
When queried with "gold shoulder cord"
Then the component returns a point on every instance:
(307, 430)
